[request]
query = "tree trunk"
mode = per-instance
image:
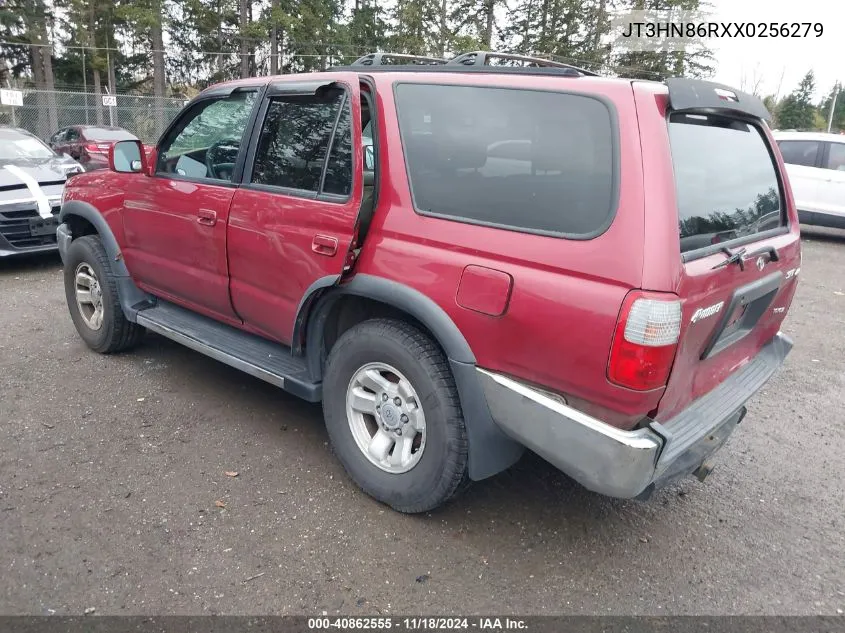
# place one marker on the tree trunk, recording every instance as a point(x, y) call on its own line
point(244, 48)
point(95, 71)
point(49, 82)
point(221, 60)
point(41, 124)
point(544, 18)
point(159, 79)
point(489, 9)
point(274, 39)
point(98, 96)
point(443, 27)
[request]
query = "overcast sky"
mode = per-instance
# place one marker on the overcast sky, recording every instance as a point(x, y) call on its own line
point(790, 57)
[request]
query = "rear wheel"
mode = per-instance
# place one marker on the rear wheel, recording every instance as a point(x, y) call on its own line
point(393, 415)
point(93, 301)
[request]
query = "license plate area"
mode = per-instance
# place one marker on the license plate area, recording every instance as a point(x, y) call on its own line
point(747, 305)
point(43, 226)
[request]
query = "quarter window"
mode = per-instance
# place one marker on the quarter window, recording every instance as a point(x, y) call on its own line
point(293, 149)
point(836, 157)
point(523, 160)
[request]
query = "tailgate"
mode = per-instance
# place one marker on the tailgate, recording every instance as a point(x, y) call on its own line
point(739, 245)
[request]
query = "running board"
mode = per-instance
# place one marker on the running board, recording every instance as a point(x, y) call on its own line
point(252, 354)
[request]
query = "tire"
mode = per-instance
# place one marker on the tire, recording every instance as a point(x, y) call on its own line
point(86, 256)
point(441, 469)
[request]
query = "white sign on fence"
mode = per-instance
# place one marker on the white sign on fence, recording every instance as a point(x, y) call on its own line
point(11, 97)
point(110, 101)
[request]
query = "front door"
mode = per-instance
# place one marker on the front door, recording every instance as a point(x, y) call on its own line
point(293, 218)
point(175, 221)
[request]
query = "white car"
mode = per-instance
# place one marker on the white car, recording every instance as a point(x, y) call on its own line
point(815, 164)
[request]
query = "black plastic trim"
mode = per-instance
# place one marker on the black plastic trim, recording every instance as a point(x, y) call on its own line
point(762, 291)
point(615, 149)
point(815, 218)
point(739, 241)
point(696, 95)
point(490, 450)
point(460, 69)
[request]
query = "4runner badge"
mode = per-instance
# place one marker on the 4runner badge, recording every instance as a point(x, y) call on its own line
point(703, 313)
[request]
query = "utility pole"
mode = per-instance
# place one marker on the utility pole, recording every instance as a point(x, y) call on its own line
point(833, 107)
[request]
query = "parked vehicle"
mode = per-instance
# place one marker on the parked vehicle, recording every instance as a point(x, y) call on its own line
point(31, 180)
point(459, 261)
point(815, 163)
point(89, 144)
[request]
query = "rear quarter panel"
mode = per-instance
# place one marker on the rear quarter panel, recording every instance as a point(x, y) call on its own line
point(565, 295)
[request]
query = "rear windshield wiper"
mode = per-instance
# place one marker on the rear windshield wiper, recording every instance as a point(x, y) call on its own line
point(736, 257)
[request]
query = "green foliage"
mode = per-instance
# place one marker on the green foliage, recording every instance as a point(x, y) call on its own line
point(796, 111)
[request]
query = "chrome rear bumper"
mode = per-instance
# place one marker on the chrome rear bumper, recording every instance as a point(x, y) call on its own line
point(620, 463)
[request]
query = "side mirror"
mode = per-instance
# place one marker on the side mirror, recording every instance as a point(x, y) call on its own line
point(369, 158)
point(127, 157)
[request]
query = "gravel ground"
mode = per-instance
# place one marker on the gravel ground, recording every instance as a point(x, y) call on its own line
point(112, 478)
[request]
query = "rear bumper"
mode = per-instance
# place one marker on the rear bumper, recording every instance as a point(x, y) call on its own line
point(628, 464)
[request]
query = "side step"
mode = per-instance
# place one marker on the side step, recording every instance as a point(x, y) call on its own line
point(250, 353)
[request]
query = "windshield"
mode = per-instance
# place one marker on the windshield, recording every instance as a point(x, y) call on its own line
point(725, 177)
point(101, 134)
point(16, 146)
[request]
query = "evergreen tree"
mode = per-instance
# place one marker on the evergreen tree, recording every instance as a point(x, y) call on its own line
point(796, 111)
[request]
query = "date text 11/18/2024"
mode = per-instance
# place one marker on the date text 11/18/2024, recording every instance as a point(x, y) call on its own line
point(428, 623)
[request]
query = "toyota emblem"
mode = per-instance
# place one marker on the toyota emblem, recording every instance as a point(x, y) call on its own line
point(761, 263)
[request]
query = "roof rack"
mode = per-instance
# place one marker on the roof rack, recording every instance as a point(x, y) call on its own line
point(386, 59)
point(482, 58)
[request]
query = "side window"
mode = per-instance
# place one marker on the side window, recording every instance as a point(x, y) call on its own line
point(293, 147)
point(72, 135)
point(525, 160)
point(799, 152)
point(58, 136)
point(836, 157)
point(206, 140)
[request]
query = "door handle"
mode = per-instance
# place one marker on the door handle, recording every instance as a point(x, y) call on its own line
point(324, 245)
point(207, 217)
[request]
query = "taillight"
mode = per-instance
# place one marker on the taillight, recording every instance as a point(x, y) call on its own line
point(97, 148)
point(645, 341)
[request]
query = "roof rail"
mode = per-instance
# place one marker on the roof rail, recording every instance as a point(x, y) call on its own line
point(482, 58)
point(387, 59)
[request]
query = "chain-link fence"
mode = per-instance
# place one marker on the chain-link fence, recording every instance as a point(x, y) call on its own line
point(45, 112)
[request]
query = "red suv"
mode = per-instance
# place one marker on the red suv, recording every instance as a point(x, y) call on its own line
point(459, 261)
point(89, 144)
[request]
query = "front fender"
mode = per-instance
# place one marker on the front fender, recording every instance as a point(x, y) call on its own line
point(131, 297)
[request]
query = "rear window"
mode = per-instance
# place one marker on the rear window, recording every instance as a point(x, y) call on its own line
point(526, 160)
point(727, 186)
point(101, 134)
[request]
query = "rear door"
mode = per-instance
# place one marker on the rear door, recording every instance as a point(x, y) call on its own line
point(293, 218)
point(832, 195)
point(803, 159)
point(735, 271)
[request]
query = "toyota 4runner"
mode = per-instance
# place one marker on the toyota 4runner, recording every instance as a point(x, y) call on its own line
point(459, 261)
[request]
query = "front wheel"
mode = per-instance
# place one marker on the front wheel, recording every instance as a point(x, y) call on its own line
point(393, 415)
point(92, 298)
